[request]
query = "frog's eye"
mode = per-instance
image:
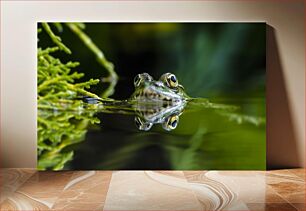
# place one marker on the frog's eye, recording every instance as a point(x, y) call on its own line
point(141, 125)
point(171, 123)
point(170, 80)
point(141, 78)
point(137, 80)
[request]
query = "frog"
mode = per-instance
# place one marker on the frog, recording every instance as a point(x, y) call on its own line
point(158, 102)
point(153, 102)
point(165, 90)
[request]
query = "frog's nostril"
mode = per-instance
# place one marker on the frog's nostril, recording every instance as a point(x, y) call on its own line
point(158, 84)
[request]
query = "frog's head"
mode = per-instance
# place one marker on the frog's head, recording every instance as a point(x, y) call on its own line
point(167, 88)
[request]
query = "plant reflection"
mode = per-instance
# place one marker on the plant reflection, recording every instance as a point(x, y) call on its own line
point(56, 131)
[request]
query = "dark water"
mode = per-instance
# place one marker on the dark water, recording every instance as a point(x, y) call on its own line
point(217, 136)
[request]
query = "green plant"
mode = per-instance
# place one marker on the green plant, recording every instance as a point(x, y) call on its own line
point(62, 118)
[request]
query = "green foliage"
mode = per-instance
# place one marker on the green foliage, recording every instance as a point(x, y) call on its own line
point(112, 78)
point(62, 118)
point(56, 39)
point(56, 84)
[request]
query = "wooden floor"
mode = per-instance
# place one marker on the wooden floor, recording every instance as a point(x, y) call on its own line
point(26, 189)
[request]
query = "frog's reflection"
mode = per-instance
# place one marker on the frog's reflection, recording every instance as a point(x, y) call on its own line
point(167, 115)
point(146, 113)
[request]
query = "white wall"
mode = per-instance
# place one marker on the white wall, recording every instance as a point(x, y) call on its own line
point(18, 61)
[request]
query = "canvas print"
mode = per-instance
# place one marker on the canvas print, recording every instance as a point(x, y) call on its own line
point(151, 96)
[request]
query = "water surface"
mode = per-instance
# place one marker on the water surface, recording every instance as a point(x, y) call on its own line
point(208, 136)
